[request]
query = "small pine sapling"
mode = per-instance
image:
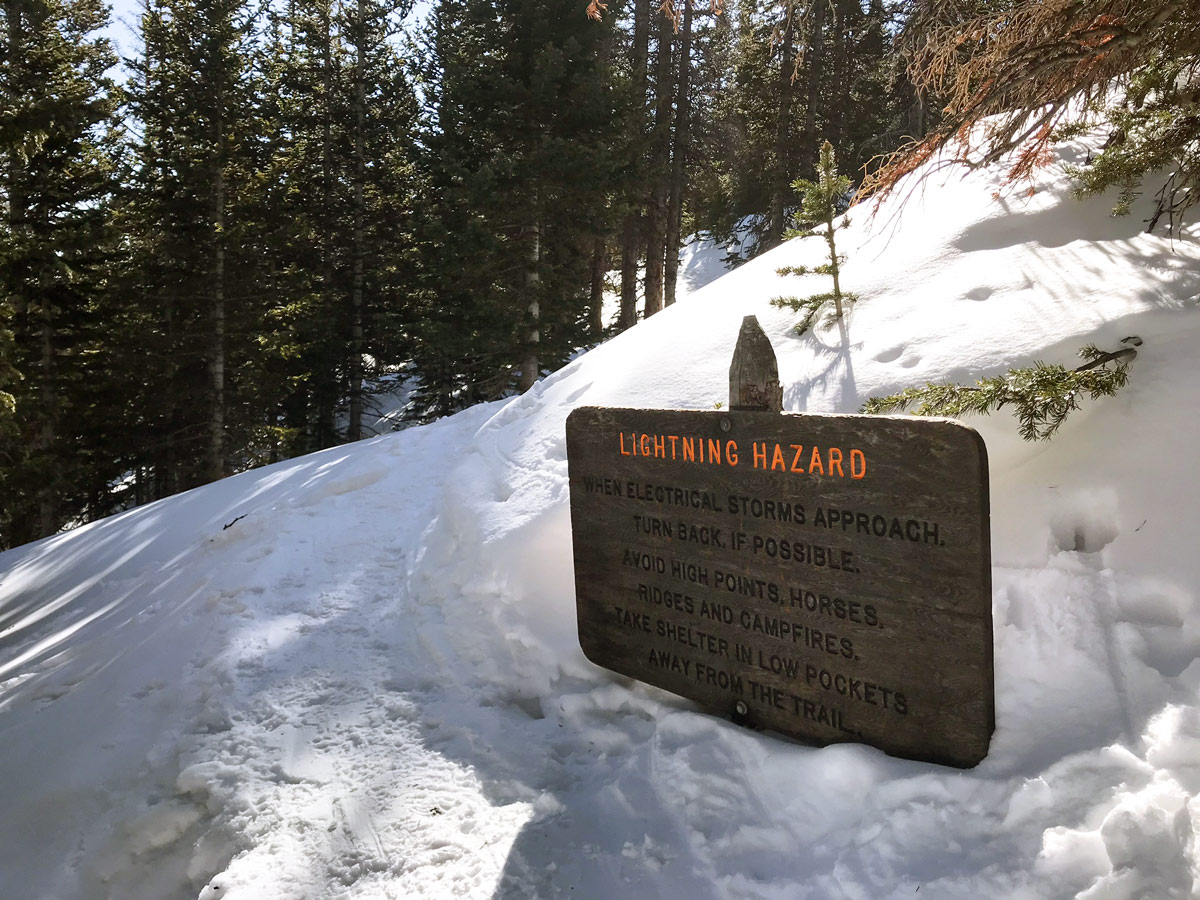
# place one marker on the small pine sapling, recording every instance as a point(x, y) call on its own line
point(1042, 395)
point(819, 206)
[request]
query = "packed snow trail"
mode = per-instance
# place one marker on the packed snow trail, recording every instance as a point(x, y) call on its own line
point(356, 674)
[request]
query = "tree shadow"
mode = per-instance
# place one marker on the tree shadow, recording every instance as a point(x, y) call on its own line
point(832, 361)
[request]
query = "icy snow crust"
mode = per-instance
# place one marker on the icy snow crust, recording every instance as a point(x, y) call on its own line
point(355, 674)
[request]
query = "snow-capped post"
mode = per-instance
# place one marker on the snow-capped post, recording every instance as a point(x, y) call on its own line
point(754, 372)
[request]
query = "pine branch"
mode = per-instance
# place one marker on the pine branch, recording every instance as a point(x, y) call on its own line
point(1042, 395)
point(1022, 69)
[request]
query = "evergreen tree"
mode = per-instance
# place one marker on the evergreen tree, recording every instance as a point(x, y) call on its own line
point(304, 67)
point(802, 73)
point(344, 166)
point(521, 176)
point(821, 202)
point(711, 135)
point(680, 151)
point(57, 108)
point(658, 173)
point(9, 375)
point(747, 116)
point(381, 117)
point(634, 151)
point(874, 100)
point(283, 227)
point(192, 217)
point(1155, 129)
point(781, 174)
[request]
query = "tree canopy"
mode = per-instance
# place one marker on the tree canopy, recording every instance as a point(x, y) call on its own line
point(1013, 75)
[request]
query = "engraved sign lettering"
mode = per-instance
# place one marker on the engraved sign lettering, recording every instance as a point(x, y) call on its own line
point(826, 577)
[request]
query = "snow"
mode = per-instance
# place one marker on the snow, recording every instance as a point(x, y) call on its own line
point(356, 675)
point(704, 259)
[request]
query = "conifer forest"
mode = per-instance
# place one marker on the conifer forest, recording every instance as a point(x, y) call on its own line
point(214, 250)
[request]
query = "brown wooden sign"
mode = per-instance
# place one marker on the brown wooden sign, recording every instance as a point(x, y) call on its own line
point(827, 577)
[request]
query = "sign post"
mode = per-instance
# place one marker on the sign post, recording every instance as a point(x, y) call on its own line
point(826, 577)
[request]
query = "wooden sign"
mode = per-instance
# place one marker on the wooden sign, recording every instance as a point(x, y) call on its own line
point(826, 577)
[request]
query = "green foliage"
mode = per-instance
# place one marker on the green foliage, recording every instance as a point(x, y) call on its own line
point(1155, 129)
point(810, 306)
point(1012, 76)
point(841, 81)
point(520, 170)
point(193, 216)
point(819, 205)
point(339, 213)
point(820, 199)
point(1042, 395)
point(58, 160)
point(298, 194)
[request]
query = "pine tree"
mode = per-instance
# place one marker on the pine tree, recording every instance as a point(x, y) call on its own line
point(781, 170)
point(707, 199)
point(521, 176)
point(870, 106)
point(1155, 129)
point(634, 149)
point(57, 131)
point(748, 116)
point(801, 72)
point(308, 166)
point(9, 376)
point(344, 209)
point(193, 217)
point(680, 150)
point(820, 204)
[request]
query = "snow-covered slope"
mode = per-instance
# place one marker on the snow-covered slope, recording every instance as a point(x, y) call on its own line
point(356, 675)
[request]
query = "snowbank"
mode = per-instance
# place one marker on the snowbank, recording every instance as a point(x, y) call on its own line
point(356, 674)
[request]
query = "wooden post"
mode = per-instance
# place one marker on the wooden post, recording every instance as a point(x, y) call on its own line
point(754, 373)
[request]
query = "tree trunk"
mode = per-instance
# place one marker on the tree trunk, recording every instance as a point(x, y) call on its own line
point(324, 391)
point(19, 215)
point(163, 478)
point(834, 269)
point(530, 368)
point(918, 115)
point(216, 351)
point(631, 232)
point(630, 254)
point(660, 149)
point(355, 367)
point(815, 66)
point(48, 400)
point(678, 156)
point(166, 465)
point(840, 107)
point(781, 182)
point(596, 296)
point(215, 467)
